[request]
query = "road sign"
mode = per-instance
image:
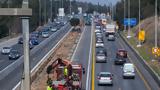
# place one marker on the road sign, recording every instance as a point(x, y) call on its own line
point(141, 35)
point(156, 51)
point(130, 21)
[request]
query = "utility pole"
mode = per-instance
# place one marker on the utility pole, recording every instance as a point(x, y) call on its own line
point(70, 6)
point(129, 26)
point(45, 13)
point(40, 12)
point(51, 10)
point(124, 13)
point(156, 24)
point(25, 28)
point(139, 42)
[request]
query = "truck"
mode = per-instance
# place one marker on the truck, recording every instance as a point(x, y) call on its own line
point(110, 29)
point(87, 19)
point(74, 79)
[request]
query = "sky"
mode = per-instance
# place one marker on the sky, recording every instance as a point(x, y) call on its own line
point(102, 2)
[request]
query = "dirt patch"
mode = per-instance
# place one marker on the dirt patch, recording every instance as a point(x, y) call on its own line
point(63, 51)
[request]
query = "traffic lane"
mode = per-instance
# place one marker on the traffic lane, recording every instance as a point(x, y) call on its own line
point(83, 52)
point(4, 62)
point(14, 77)
point(145, 74)
point(118, 82)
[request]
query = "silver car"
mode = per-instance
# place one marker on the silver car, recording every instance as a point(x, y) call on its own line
point(99, 45)
point(105, 78)
point(45, 34)
point(128, 70)
point(101, 57)
point(6, 50)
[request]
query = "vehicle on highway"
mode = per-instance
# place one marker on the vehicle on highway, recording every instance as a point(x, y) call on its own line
point(35, 34)
point(119, 60)
point(121, 53)
point(14, 54)
point(128, 70)
point(101, 50)
point(111, 38)
point(53, 29)
point(101, 57)
point(34, 41)
point(20, 40)
point(97, 31)
point(31, 46)
point(98, 27)
point(99, 40)
point(45, 34)
point(99, 45)
point(99, 35)
point(6, 50)
point(105, 78)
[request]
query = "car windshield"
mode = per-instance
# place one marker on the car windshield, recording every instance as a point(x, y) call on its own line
point(101, 54)
point(45, 32)
point(128, 67)
point(6, 47)
point(105, 75)
point(14, 51)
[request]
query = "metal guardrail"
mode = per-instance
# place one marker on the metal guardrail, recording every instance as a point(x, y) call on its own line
point(143, 62)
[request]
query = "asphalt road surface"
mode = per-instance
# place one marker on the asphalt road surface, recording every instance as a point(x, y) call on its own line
point(82, 52)
point(36, 54)
point(139, 83)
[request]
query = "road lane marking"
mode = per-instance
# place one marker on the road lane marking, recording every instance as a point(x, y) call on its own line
point(89, 64)
point(93, 62)
point(78, 44)
point(138, 71)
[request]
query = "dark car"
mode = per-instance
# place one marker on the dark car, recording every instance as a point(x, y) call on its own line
point(121, 53)
point(20, 40)
point(119, 60)
point(34, 41)
point(35, 34)
point(13, 55)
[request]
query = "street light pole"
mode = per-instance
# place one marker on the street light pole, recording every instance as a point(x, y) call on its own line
point(129, 27)
point(124, 13)
point(70, 10)
point(39, 12)
point(156, 24)
point(51, 10)
point(25, 28)
point(139, 42)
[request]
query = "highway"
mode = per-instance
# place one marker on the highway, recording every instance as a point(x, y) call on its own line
point(36, 54)
point(139, 83)
point(82, 53)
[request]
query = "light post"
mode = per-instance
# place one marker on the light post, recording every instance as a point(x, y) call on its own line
point(51, 10)
point(124, 13)
point(139, 42)
point(156, 24)
point(40, 12)
point(129, 26)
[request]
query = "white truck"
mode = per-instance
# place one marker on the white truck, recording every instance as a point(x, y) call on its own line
point(110, 29)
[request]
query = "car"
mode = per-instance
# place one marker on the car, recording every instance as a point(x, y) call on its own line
point(45, 34)
point(6, 50)
point(97, 31)
point(119, 61)
point(105, 78)
point(101, 50)
point(35, 34)
point(20, 40)
point(101, 57)
point(14, 54)
point(128, 70)
point(34, 41)
point(121, 53)
point(111, 38)
point(31, 46)
point(99, 45)
point(53, 29)
point(99, 40)
point(99, 35)
point(98, 26)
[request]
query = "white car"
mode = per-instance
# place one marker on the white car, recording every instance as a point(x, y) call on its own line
point(6, 50)
point(97, 31)
point(45, 34)
point(105, 78)
point(101, 57)
point(111, 37)
point(99, 45)
point(128, 70)
point(53, 29)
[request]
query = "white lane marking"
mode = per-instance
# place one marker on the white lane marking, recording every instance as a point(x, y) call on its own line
point(43, 58)
point(88, 87)
point(78, 44)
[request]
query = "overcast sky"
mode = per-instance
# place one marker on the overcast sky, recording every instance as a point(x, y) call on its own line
point(102, 2)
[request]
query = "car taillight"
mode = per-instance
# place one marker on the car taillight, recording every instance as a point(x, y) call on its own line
point(110, 78)
point(98, 78)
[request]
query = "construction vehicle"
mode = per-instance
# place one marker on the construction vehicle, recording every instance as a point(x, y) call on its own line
point(71, 82)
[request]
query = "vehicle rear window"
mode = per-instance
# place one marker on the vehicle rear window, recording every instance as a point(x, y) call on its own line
point(105, 75)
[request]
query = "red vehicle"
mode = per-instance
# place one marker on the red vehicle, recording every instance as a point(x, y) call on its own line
point(121, 53)
point(73, 81)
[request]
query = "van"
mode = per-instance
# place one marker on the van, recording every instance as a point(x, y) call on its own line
point(128, 70)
